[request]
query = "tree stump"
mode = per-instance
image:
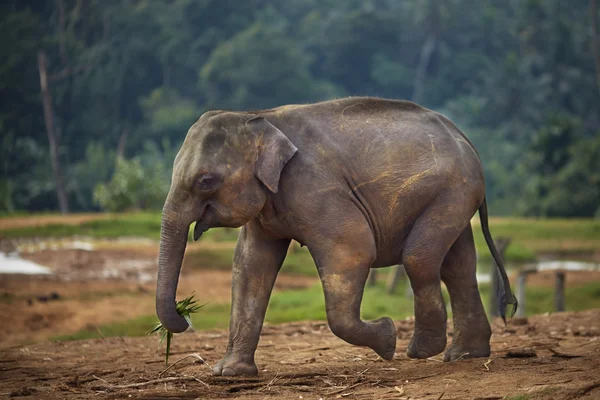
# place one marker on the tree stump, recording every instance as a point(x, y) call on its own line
point(559, 291)
point(521, 282)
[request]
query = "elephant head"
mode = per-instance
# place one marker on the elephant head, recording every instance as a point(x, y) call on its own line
point(222, 176)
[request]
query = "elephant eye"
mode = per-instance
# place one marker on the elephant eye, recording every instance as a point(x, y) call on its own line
point(207, 182)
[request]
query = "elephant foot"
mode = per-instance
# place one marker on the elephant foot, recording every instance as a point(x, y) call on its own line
point(232, 365)
point(471, 343)
point(385, 344)
point(457, 352)
point(426, 344)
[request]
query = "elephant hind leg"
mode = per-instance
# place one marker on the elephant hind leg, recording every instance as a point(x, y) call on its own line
point(472, 331)
point(343, 270)
point(433, 233)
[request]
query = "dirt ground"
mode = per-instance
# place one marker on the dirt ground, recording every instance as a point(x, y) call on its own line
point(545, 357)
point(98, 287)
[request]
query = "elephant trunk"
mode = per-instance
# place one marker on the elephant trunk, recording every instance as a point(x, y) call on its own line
point(173, 240)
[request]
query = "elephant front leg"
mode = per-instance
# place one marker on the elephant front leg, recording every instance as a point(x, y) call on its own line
point(257, 261)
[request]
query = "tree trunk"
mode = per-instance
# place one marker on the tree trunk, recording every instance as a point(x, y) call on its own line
point(595, 40)
point(61, 193)
point(121, 146)
point(421, 74)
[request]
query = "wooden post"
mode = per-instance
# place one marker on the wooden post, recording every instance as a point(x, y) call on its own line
point(559, 291)
point(501, 244)
point(409, 294)
point(396, 273)
point(372, 279)
point(521, 282)
point(53, 139)
point(392, 280)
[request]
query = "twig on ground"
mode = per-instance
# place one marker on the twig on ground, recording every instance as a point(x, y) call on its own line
point(196, 355)
point(434, 359)
point(100, 379)
point(151, 382)
point(271, 382)
point(343, 389)
point(460, 358)
point(485, 364)
point(422, 377)
point(562, 355)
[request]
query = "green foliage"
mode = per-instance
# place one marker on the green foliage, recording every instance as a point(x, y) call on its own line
point(186, 308)
point(133, 187)
point(566, 181)
point(517, 77)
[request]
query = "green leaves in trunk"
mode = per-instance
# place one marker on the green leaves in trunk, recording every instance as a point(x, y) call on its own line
point(185, 308)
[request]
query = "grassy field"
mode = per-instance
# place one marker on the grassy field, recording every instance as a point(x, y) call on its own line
point(308, 304)
point(533, 236)
point(529, 236)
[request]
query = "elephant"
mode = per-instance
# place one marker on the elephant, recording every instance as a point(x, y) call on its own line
point(363, 183)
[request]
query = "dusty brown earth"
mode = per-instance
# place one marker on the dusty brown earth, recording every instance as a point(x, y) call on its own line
point(98, 287)
point(545, 357)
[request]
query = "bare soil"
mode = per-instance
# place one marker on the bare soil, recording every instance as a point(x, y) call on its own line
point(99, 287)
point(545, 357)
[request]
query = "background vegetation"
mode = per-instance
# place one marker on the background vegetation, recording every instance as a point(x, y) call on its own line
point(99, 94)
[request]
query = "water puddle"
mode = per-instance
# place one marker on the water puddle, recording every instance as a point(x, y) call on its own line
point(13, 264)
point(546, 265)
point(562, 265)
point(78, 259)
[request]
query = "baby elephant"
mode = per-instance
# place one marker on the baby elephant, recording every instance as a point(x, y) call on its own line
point(363, 183)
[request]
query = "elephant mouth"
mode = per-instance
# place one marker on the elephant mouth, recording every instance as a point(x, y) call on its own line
point(201, 226)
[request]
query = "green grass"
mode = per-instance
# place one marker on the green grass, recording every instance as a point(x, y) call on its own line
point(308, 304)
point(202, 259)
point(145, 225)
point(532, 236)
point(529, 236)
point(138, 224)
point(299, 262)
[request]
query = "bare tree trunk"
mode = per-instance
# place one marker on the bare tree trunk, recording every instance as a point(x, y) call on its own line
point(432, 22)
point(61, 32)
point(121, 146)
point(595, 40)
point(421, 74)
point(63, 202)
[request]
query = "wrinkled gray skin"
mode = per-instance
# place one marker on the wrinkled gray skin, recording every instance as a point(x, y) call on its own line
point(363, 183)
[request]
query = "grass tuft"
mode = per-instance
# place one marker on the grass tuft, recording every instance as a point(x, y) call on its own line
point(185, 308)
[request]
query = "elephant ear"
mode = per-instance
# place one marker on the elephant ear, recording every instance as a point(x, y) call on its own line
point(274, 151)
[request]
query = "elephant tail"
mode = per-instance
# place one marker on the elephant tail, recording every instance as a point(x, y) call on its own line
point(504, 295)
